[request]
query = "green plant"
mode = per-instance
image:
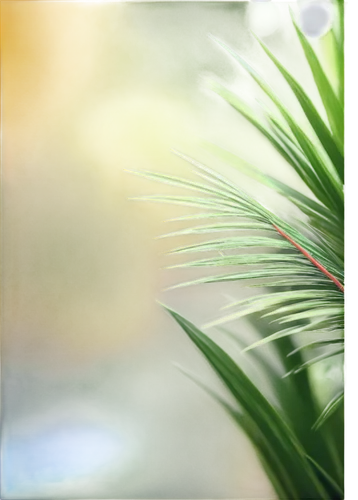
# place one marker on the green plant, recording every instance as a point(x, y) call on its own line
point(298, 267)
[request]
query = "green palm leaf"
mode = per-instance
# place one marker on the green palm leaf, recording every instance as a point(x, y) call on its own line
point(295, 267)
point(281, 450)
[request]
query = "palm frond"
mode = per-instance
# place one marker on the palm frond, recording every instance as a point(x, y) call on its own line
point(301, 256)
point(334, 404)
point(309, 267)
point(295, 266)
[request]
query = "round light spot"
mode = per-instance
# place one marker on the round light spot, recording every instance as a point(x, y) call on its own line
point(315, 19)
point(265, 18)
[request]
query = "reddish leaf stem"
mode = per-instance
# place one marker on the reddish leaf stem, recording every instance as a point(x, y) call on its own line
point(310, 258)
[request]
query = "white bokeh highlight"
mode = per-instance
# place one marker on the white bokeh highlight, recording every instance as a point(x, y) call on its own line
point(265, 18)
point(315, 18)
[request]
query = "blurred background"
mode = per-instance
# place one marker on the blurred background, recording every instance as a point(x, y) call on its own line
point(93, 406)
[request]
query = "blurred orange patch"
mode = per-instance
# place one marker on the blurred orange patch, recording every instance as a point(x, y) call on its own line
point(46, 50)
point(73, 278)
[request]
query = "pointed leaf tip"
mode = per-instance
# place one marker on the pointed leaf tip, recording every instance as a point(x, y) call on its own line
point(167, 308)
